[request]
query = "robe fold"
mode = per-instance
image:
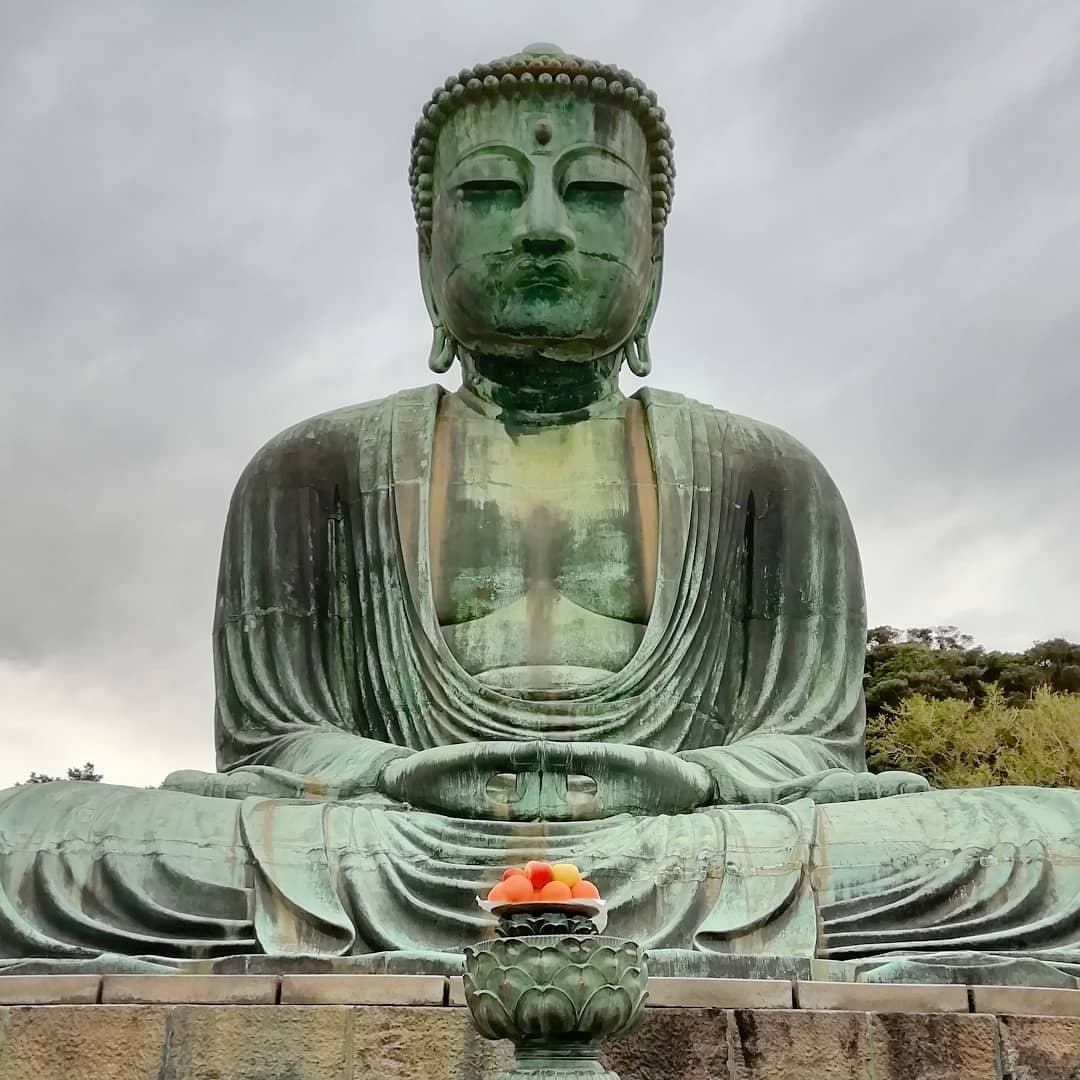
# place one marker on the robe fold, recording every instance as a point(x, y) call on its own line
point(751, 662)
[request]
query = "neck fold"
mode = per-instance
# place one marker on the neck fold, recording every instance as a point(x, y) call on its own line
point(539, 391)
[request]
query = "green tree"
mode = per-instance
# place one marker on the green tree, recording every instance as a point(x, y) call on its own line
point(940, 663)
point(937, 662)
point(1059, 662)
point(78, 772)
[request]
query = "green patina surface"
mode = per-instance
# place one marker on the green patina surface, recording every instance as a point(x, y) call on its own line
point(534, 618)
point(557, 998)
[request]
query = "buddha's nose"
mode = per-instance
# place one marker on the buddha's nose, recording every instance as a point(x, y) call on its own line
point(543, 228)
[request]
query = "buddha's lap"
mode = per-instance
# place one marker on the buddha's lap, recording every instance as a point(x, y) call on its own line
point(76, 820)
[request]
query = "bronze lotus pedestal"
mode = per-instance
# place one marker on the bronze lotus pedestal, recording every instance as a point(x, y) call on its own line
point(555, 995)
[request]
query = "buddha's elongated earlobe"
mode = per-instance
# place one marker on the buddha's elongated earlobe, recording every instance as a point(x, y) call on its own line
point(636, 353)
point(443, 346)
point(443, 350)
point(636, 350)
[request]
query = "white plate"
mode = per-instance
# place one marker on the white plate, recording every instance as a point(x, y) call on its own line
point(593, 908)
point(570, 907)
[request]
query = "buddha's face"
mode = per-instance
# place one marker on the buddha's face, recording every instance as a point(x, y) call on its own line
point(542, 227)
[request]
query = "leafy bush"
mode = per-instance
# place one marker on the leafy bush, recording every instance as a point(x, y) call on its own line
point(961, 743)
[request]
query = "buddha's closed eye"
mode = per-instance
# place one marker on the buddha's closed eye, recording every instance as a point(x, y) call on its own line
point(494, 192)
point(594, 193)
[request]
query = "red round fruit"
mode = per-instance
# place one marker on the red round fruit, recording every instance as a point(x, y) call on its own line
point(510, 871)
point(539, 873)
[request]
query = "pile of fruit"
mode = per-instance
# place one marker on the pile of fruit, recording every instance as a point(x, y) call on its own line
point(542, 881)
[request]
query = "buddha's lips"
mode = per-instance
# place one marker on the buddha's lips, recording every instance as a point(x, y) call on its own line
point(548, 272)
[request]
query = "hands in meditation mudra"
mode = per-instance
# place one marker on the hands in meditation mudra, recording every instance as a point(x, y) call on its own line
point(535, 619)
point(547, 781)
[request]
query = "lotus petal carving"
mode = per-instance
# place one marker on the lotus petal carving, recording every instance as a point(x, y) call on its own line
point(510, 983)
point(608, 962)
point(608, 1010)
point(545, 1010)
point(579, 981)
point(511, 952)
point(544, 964)
point(490, 1015)
point(481, 964)
point(578, 951)
point(547, 987)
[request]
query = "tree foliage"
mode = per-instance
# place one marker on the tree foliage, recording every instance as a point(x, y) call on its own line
point(957, 742)
point(940, 663)
point(964, 716)
point(78, 772)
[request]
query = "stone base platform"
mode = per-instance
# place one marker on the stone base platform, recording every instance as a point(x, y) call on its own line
point(348, 1027)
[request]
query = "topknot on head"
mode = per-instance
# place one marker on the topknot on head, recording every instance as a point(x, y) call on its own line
point(541, 68)
point(542, 48)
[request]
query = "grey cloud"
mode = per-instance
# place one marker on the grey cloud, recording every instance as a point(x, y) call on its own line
point(207, 235)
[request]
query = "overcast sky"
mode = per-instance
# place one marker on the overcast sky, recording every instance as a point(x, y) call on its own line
point(205, 235)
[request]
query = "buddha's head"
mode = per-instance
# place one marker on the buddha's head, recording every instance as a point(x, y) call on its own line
point(541, 185)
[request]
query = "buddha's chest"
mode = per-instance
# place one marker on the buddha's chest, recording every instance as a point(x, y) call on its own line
point(503, 542)
point(543, 546)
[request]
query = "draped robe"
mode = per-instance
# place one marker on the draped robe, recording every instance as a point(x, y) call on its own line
point(326, 631)
point(330, 662)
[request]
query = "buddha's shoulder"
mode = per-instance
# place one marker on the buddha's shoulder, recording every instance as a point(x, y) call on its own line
point(351, 420)
point(341, 430)
point(325, 449)
point(732, 433)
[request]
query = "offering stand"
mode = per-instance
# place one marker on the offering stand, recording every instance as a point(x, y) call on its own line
point(554, 985)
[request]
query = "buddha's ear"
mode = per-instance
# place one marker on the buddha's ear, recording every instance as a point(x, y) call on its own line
point(653, 301)
point(443, 347)
point(636, 350)
point(427, 288)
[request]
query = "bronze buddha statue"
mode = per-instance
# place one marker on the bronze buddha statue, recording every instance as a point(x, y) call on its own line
point(534, 618)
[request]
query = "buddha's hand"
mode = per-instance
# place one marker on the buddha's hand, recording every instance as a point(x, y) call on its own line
point(588, 780)
point(546, 781)
point(466, 780)
point(842, 785)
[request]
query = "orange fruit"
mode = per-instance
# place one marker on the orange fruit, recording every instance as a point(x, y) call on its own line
point(498, 894)
point(536, 894)
point(511, 871)
point(556, 890)
point(567, 873)
point(539, 873)
point(585, 890)
point(517, 889)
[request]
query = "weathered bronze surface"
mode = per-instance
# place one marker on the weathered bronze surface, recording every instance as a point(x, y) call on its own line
point(535, 619)
point(557, 998)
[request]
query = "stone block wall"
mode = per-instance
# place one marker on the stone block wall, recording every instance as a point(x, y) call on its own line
point(405, 1028)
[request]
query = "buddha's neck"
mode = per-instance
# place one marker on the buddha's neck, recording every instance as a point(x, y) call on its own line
point(540, 391)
